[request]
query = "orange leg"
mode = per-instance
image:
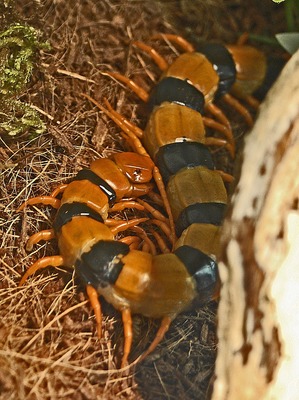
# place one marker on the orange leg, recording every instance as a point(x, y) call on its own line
point(134, 128)
point(164, 227)
point(114, 116)
point(155, 213)
point(47, 200)
point(165, 323)
point(211, 123)
point(184, 44)
point(96, 306)
point(141, 93)
point(128, 334)
point(225, 176)
point(150, 247)
point(51, 261)
point(161, 187)
point(156, 198)
point(132, 241)
point(126, 204)
point(156, 57)
point(161, 242)
point(214, 110)
point(47, 234)
point(120, 226)
point(233, 102)
point(146, 248)
point(60, 189)
point(254, 103)
point(211, 141)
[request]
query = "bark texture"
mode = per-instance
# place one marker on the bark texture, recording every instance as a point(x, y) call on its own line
point(258, 318)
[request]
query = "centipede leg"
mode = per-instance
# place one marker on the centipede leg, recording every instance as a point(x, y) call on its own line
point(148, 246)
point(121, 226)
point(59, 189)
point(225, 176)
point(214, 110)
point(141, 93)
point(134, 128)
point(211, 123)
point(96, 306)
point(211, 141)
point(51, 261)
point(155, 213)
point(128, 334)
point(162, 190)
point(156, 57)
point(132, 241)
point(46, 235)
point(46, 200)
point(126, 204)
point(161, 242)
point(179, 40)
point(238, 107)
point(164, 326)
point(254, 103)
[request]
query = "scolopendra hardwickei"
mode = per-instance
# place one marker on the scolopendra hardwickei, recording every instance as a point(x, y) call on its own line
point(134, 281)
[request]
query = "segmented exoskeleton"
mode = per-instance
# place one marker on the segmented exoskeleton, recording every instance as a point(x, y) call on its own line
point(136, 281)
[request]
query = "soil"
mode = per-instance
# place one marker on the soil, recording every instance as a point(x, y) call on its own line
point(48, 344)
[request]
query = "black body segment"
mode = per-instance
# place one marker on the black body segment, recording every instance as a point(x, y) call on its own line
point(223, 63)
point(174, 90)
point(206, 213)
point(203, 269)
point(87, 174)
point(171, 158)
point(102, 264)
point(69, 210)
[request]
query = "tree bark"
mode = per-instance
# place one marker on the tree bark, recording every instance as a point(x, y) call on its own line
point(258, 355)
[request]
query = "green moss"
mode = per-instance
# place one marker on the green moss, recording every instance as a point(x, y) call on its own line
point(18, 47)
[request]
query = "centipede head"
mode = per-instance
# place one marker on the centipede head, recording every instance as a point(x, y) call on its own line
point(138, 168)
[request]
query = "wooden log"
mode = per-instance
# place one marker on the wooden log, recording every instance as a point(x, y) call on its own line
point(258, 355)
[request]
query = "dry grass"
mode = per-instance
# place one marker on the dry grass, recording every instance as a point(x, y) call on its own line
point(48, 347)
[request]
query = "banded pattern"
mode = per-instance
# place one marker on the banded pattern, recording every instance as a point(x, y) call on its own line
point(138, 281)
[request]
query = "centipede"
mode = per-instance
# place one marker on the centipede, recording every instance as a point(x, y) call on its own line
point(174, 149)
